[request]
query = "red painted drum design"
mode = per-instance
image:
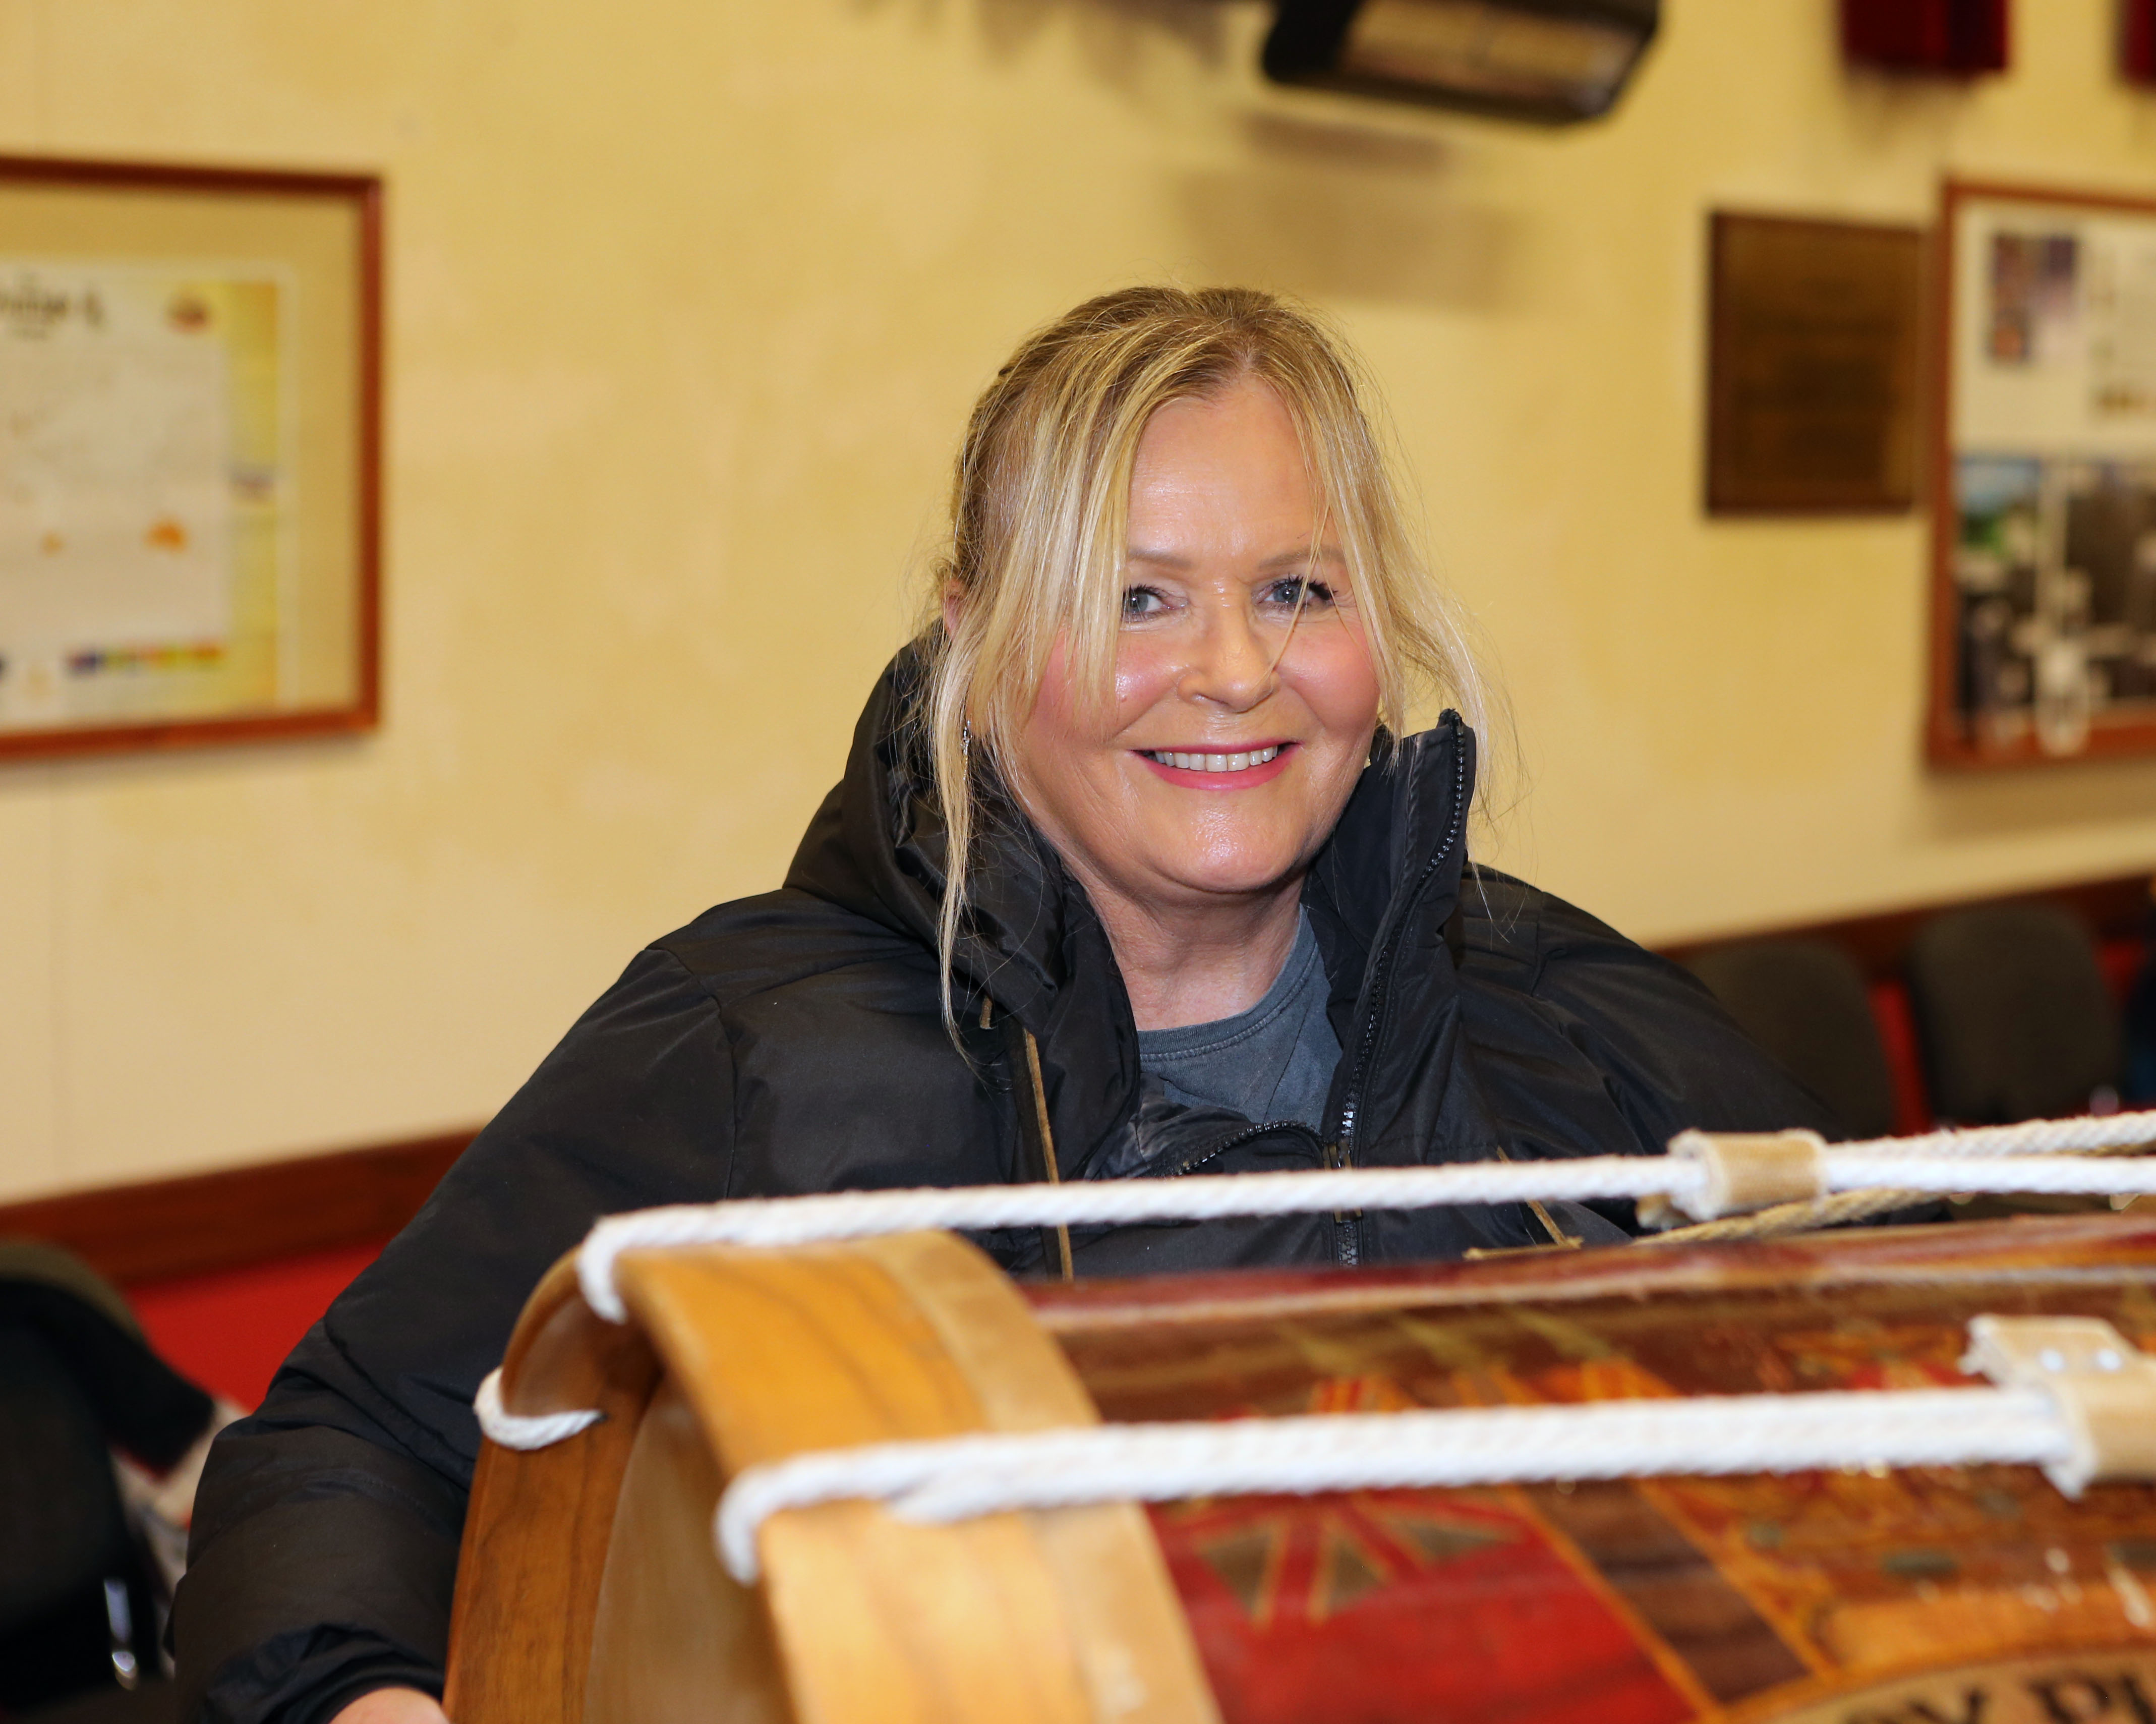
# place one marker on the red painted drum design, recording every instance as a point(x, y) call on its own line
point(1945, 1595)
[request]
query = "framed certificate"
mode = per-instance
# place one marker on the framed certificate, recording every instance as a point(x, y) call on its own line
point(2044, 547)
point(190, 429)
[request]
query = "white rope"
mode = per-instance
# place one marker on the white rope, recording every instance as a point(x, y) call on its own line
point(2081, 1132)
point(1989, 1158)
point(1110, 1202)
point(1937, 1161)
point(518, 1430)
point(1779, 1220)
point(2071, 1175)
point(956, 1478)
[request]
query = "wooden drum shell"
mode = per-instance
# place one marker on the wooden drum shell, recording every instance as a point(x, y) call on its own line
point(589, 1590)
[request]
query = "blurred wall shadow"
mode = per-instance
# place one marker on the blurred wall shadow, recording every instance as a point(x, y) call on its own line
point(1331, 210)
point(1320, 207)
point(1110, 32)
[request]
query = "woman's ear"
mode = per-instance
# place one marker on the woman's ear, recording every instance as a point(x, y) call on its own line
point(954, 600)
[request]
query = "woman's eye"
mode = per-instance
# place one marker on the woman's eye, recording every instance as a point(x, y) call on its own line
point(1143, 602)
point(1311, 595)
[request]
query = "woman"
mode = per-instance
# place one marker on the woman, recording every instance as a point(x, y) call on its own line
point(1128, 876)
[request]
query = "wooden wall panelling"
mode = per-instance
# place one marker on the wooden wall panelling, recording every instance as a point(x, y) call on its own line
point(205, 1222)
point(2115, 909)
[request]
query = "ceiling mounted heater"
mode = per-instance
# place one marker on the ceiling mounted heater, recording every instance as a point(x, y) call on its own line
point(1550, 60)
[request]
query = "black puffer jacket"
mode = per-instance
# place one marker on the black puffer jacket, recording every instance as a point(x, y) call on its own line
point(793, 1043)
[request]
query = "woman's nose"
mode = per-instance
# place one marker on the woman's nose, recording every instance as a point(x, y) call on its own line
point(1229, 665)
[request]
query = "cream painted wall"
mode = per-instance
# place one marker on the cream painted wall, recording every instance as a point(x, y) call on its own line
point(688, 298)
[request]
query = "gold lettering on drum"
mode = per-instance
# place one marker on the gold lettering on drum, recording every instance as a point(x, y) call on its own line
point(2069, 1700)
point(1975, 1704)
point(2083, 1688)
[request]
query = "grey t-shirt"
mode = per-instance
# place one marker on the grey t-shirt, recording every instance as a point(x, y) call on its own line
point(1273, 1062)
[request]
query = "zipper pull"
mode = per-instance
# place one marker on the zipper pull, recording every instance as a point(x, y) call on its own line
point(1337, 1160)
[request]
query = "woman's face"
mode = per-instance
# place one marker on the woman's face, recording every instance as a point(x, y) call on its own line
point(1240, 722)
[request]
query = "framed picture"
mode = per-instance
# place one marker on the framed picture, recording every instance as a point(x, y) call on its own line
point(1813, 353)
point(190, 427)
point(2044, 571)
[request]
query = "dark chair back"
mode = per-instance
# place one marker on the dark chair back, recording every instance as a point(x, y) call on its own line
point(1805, 1002)
point(63, 1533)
point(61, 1526)
point(2013, 1019)
point(77, 1377)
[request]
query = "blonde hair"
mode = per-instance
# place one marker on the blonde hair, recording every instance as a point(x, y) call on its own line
point(1038, 508)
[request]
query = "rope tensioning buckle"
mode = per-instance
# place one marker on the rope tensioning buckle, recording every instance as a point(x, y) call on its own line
point(2103, 1386)
point(1745, 1170)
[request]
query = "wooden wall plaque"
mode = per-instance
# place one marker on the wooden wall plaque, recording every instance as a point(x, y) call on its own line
point(1812, 359)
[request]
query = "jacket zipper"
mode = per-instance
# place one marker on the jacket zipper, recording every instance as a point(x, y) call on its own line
point(1347, 1245)
point(1347, 1223)
point(1236, 1140)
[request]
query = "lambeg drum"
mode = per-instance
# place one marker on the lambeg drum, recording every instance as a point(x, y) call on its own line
point(591, 1588)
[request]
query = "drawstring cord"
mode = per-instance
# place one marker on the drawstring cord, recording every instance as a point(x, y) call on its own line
point(1050, 1170)
point(1048, 1147)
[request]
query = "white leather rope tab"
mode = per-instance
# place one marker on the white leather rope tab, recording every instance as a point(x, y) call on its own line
point(2073, 1397)
point(956, 1478)
point(2103, 1386)
point(1745, 1170)
point(519, 1431)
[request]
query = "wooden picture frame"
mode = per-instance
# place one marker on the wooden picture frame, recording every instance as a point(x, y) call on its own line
point(1813, 353)
point(190, 456)
point(2043, 477)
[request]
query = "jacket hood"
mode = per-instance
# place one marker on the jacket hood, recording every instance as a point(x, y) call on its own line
point(879, 847)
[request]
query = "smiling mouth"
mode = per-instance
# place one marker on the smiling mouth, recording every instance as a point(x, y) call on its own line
point(1211, 762)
